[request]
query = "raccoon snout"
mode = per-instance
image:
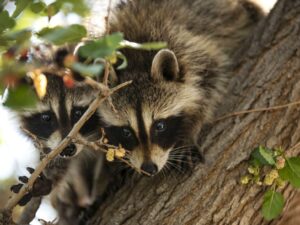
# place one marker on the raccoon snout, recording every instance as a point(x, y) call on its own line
point(150, 168)
point(69, 151)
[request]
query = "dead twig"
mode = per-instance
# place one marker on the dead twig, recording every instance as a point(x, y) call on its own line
point(257, 110)
point(38, 144)
point(107, 29)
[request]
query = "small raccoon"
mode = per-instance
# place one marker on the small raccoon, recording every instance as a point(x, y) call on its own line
point(50, 121)
point(86, 179)
point(175, 90)
point(54, 117)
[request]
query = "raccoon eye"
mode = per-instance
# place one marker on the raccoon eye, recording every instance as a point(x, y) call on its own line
point(161, 126)
point(45, 117)
point(126, 133)
point(78, 113)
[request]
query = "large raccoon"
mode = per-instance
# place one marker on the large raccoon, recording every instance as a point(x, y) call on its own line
point(175, 90)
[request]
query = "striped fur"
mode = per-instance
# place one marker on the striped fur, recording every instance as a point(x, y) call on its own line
point(177, 88)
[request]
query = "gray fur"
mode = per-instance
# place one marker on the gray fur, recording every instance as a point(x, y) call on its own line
point(203, 35)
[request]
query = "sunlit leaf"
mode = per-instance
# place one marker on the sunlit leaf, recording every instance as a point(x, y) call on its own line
point(77, 6)
point(101, 48)
point(6, 21)
point(291, 171)
point(19, 36)
point(52, 9)
point(37, 7)
point(143, 46)
point(61, 35)
point(88, 70)
point(20, 97)
point(20, 6)
point(39, 82)
point(272, 205)
point(124, 63)
point(263, 156)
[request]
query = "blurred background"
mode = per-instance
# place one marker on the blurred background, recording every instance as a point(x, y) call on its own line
point(16, 151)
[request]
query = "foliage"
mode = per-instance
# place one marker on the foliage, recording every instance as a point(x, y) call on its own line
point(281, 169)
point(16, 42)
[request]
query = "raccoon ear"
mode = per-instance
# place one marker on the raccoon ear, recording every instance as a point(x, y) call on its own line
point(165, 65)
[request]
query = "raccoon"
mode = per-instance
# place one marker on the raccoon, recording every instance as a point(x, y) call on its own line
point(50, 121)
point(86, 180)
point(176, 90)
point(54, 117)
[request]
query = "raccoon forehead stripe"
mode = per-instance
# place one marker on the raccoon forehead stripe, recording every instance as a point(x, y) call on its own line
point(68, 105)
point(142, 133)
point(55, 106)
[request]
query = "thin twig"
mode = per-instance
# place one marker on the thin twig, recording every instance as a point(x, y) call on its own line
point(95, 146)
point(103, 95)
point(38, 144)
point(257, 110)
point(106, 73)
point(107, 28)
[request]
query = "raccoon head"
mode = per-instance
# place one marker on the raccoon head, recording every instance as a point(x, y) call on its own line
point(54, 116)
point(159, 114)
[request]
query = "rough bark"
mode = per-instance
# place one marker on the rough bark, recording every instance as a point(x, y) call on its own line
point(268, 75)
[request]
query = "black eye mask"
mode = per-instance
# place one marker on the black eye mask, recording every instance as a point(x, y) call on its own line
point(165, 132)
point(121, 135)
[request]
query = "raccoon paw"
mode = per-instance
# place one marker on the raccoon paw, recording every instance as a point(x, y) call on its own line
point(41, 186)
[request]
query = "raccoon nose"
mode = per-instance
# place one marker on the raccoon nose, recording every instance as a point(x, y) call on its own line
point(69, 151)
point(150, 168)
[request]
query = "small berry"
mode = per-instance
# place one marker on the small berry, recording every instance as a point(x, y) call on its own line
point(245, 179)
point(270, 177)
point(280, 183)
point(120, 152)
point(68, 81)
point(110, 154)
point(253, 170)
point(280, 162)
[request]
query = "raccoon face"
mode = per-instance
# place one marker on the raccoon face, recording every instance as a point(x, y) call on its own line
point(55, 115)
point(155, 114)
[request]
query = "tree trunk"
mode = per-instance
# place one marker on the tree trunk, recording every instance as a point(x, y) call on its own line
point(268, 75)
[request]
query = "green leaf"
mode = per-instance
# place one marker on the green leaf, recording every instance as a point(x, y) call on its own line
point(20, 97)
point(6, 21)
point(52, 9)
point(263, 156)
point(272, 205)
point(291, 171)
point(19, 36)
point(88, 70)
point(37, 7)
point(20, 6)
point(77, 6)
point(61, 35)
point(144, 46)
point(101, 48)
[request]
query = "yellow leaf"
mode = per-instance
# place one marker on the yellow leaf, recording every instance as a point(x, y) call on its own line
point(39, 82)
